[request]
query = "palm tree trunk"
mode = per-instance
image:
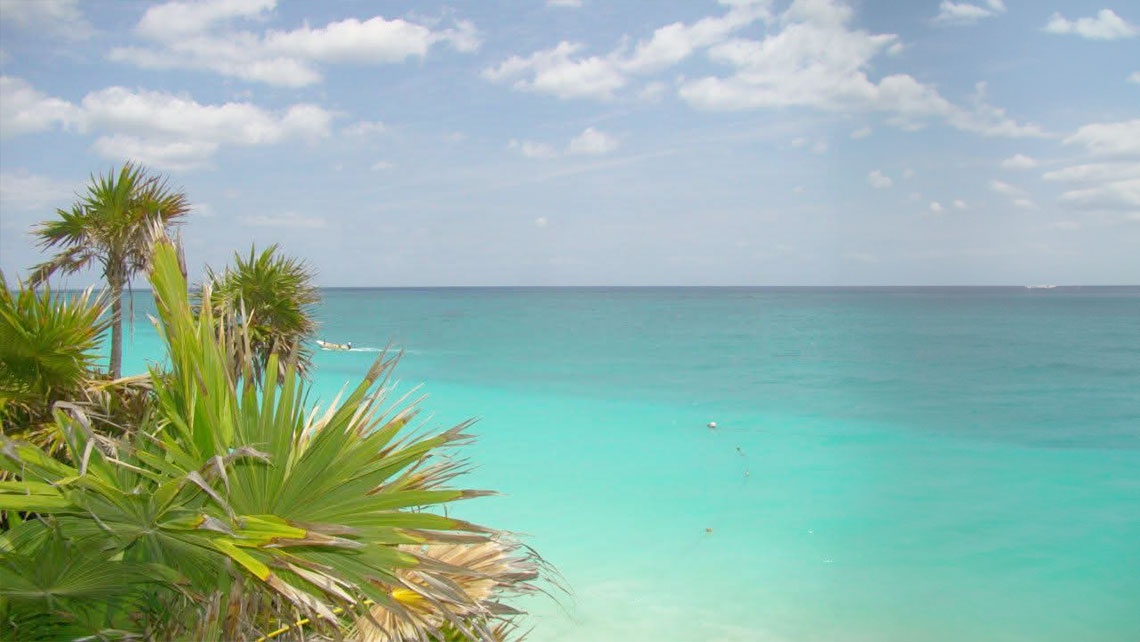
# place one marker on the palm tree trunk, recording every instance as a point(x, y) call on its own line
point(116, 330)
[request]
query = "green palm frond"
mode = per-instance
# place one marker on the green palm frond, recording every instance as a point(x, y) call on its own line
point(249, 496)
point(55, 588)
point(111, 228)
point(48, 346)
point(267, 300)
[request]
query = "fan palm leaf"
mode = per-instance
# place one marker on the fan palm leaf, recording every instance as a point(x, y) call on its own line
point(246, 493)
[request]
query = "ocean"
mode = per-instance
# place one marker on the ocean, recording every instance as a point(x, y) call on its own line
point(888, 464)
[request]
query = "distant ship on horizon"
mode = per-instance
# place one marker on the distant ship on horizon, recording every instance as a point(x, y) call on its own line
point(1040, 287)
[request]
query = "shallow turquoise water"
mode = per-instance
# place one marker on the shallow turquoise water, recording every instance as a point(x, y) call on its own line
point(890, 464)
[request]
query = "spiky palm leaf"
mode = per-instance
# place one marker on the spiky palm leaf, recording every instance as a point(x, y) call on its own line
point(267, 301)
point(48, 346)
point(111, 227)
point(240, 491)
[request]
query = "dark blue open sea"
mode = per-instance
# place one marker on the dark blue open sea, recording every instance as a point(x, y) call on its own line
point(890, 464)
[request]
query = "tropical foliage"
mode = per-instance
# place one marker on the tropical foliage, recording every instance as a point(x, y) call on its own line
point(111, 227)
point(48, 348)
point(267, 299)
point(234, 511)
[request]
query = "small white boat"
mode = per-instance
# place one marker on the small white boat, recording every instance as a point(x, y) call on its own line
point(1040, 287)
point(327, 345)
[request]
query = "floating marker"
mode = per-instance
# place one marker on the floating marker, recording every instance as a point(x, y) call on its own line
point(712, 425)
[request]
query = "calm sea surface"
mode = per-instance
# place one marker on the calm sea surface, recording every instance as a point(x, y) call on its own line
point(890, 464)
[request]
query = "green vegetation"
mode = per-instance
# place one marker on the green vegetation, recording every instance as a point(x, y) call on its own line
point(206, 499)
point(47, 346)
point(270, 296)
point(112, 227)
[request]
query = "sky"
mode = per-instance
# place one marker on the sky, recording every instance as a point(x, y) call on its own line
point(582, 142)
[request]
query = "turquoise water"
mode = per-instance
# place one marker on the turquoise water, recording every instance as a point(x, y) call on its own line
point(889, 464)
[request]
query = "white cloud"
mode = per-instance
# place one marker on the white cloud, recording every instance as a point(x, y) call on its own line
point(532, 149)
point(563, 72)
point(197, 36)
point(908, 173)
point(541, 222)
point(878, 180)
point(960, 204)
point(173, 19)
point(1094, 173)
point(24, 109)
point(159, 114)
point(964, 13)
point(809, 57)
point(1019, 161)
point(1117, 195)
point(862, 132)
point(168, 154)
point(1017, 196)
point(1106, 25)
point(288, 219)
point(166, 130)
point(380, 166)
point(573, 4)
point(816, 60)
point(818, 147)
point(555, 72)
point(935, 206)
point(61, 18)
point(23, 191)
point(1134, 77)
point(363, 128)
point(1100, 186)
point(1109, 139)
point(592, 141)
point(1112, 186)
point(1005, 189)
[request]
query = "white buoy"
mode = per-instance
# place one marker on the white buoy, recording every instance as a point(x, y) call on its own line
point(712, 425)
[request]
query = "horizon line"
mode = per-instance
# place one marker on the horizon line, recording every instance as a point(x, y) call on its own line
point(146, 287)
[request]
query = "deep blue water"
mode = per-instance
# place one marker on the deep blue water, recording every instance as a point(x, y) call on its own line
point(889, 463)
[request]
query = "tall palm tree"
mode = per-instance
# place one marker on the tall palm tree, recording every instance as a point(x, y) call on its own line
point(268, 299)
point(112, 225)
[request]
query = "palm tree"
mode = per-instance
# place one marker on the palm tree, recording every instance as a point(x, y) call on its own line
point(239, 508)
point(48, 345)
point(111, 226)
point(268, 298)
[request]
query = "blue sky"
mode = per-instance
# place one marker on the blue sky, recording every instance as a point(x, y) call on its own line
point(812, 142)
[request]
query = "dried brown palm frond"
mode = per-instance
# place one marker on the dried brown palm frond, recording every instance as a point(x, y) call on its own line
point(476, 575)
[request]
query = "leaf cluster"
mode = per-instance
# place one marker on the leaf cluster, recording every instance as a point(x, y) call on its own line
point(236, 507)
